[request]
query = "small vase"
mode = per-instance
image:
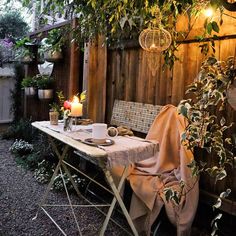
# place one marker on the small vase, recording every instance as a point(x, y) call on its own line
point(53, 116)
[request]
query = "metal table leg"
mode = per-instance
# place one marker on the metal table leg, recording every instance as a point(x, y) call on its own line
point(117, 198)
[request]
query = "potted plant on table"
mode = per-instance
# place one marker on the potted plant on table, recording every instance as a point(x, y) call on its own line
point(54, 113)
point(29, 85)
point(45, 86)
point(51, 46)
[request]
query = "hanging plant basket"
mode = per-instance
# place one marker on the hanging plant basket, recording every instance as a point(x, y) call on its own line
point(30, 91)
point(45, 94)
point(53, 56)
point(26, 60)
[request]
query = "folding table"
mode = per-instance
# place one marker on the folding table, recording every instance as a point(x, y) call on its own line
point(124, 151)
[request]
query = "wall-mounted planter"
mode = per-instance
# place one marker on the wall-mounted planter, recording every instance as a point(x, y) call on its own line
point(30, 91)
point(53, 56)
point(45, 93)
point(26, 60)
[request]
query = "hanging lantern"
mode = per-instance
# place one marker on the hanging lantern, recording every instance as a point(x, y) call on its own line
point(155, 40)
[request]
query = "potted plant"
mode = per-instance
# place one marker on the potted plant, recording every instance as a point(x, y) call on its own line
point(29, 85)
point(54, 113)
point(45, 86)
point(51, 46)
point(24, 50)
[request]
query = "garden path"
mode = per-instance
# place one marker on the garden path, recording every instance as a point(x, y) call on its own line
point(19, 195)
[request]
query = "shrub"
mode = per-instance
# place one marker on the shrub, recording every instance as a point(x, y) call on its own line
point(21, 147)
point(28, 82)
point(44, 171)
point(21, 130)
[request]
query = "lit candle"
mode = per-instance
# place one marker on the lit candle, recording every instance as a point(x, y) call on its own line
point(76, 107)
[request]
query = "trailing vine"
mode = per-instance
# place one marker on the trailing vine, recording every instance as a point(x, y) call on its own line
point(207, 128)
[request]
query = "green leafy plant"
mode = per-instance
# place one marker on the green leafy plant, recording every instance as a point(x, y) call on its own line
point(44, 81)
point(54, 41)
point(21, 129)
point(44, 171)
point(124, 20)
point(21, 147)
point(28, 82)
point(23, 50)
point(208, 128)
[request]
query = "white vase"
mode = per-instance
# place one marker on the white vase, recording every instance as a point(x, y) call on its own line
point(45, 93)
point(30, 91)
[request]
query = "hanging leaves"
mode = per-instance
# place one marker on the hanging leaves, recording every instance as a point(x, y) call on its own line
point(206, 130)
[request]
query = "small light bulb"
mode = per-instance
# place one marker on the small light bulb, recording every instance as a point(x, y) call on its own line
point(153, 46)
point(209, 12)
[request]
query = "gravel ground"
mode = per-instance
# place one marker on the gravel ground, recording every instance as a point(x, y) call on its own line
point(20, 194)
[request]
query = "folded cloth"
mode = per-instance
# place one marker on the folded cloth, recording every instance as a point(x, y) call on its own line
point(167, 169)
point(84, 121)
point(123, 130)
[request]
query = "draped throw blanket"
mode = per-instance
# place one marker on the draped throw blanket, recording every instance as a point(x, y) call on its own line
point(167, 169)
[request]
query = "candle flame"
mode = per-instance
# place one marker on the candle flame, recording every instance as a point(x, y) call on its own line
point(75, 99)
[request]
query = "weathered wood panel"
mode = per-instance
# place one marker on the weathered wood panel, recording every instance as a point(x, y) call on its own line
point(95, 65)
point(194, 26)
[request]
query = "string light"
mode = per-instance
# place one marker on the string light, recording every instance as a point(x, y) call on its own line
point(209, 12)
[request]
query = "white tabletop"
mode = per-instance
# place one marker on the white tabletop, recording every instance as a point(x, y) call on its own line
point(124, 151)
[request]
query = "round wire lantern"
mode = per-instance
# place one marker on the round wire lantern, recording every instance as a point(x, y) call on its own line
point(155, 40)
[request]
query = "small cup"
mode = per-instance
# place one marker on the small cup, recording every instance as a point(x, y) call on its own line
point(100, 132)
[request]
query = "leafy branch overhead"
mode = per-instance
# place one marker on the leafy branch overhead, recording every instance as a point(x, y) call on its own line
point(120, 20)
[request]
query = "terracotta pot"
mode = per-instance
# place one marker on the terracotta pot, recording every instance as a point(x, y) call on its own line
point(53, 56)
point(45, 93)
point(53, 116)
point(30, 91)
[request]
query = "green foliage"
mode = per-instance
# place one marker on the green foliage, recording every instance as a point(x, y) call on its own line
point(205, 113)
point(124, 20)
point(22, 129)
point(44, 81)
point(28, 82)
point(12, 24)
point(24, 49)
point(44, 171)
point(21, 147)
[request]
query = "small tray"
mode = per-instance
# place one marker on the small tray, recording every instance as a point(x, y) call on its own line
point(89, 141)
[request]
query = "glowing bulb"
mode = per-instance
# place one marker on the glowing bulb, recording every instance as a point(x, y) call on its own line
point(209, 12)
point(153, 46)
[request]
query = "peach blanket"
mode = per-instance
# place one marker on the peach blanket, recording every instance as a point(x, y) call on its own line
point(168, 168)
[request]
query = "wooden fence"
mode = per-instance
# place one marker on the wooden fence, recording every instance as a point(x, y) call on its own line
point(132, 74)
